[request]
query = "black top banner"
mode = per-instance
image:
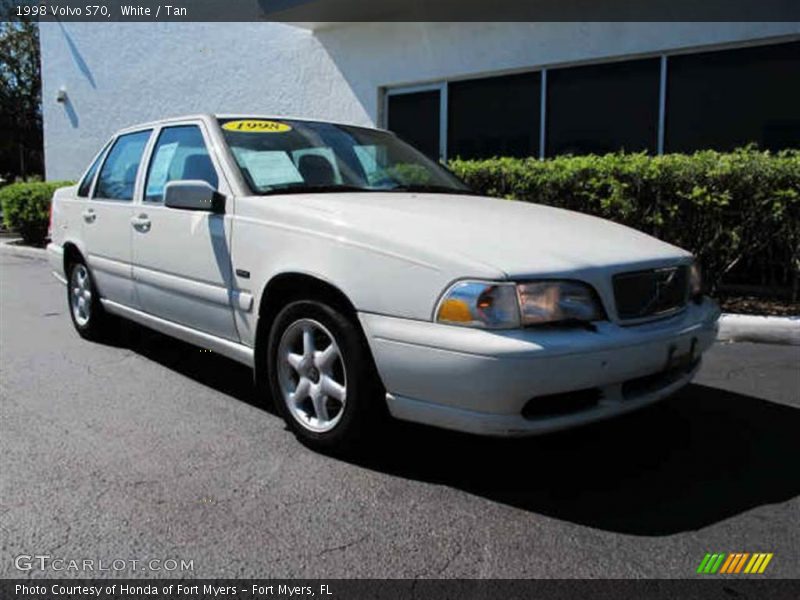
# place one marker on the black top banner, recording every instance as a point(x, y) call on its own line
point(396, 589)
point(320, 11)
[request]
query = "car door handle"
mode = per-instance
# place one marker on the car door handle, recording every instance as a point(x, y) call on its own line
point(141, 223)
point(89, 215)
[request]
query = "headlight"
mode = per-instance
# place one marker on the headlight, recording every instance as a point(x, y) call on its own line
point(695, 282)
point(480, 304)
point(490, 305)
point(552, 301)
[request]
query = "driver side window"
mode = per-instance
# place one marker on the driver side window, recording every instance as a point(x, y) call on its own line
point(179, 154)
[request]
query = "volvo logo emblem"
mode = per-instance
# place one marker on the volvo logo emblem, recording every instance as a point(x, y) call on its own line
point(662, 280)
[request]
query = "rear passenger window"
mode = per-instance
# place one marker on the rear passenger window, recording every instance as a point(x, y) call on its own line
point(180, 153)
point(86, 183)
point(118, 175)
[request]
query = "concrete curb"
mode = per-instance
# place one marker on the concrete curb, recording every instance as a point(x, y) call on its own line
point(8, 245)
point(732, 327)
point(763, 330)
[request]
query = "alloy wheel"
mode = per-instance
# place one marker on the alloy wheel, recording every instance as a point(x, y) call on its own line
point(312, 376)
point(81, 295)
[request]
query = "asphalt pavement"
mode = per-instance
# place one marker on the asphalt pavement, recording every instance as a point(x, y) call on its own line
point(151, 449)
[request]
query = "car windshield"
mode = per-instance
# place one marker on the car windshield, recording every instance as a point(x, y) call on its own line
point(287, 156)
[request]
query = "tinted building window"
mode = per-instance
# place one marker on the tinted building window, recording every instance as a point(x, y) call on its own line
point(415, 118)
point(730, 98)
point(118, 176)
point(603, 108)
point(496, 116)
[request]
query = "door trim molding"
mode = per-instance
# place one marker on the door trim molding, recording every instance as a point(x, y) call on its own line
point(197, 290)
point(110, 266)
point(181, 285)
point(233, 350)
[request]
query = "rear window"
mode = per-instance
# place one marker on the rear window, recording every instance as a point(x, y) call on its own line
point(86, 183)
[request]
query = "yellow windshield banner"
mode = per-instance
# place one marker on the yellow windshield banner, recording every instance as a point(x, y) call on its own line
point(257, 126)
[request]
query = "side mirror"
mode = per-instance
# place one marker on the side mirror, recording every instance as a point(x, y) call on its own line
point(193, 194)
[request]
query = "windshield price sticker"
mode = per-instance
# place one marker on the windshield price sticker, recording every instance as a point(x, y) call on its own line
point(257, 126)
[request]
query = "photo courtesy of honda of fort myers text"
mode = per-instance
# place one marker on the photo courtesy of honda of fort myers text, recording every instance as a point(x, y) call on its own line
point(330, 299)
point(178, 590)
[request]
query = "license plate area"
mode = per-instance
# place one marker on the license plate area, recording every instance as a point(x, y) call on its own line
point(679, 362)
point(681, 359)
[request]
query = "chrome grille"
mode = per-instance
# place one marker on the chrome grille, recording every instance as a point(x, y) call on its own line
point(651, 293)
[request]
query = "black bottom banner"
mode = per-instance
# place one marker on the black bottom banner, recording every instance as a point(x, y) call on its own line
point(399, 589)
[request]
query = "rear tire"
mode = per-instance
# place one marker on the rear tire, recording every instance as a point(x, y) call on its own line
point(87, 313)
point(322, 377)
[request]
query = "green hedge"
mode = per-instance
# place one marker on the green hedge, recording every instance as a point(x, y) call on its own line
point(26, 208)
point(739, 212)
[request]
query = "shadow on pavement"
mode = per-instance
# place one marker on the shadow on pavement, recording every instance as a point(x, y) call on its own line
point(208, 368)
point(700, 457)
point(705, 455)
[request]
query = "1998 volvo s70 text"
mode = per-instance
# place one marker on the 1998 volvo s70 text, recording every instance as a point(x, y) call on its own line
point(356, 275)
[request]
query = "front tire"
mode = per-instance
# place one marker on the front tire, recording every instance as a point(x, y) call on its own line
point(322, 377)
point(85, 309)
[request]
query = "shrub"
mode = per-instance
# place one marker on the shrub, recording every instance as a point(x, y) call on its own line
point(739, 212)
point(26, 208)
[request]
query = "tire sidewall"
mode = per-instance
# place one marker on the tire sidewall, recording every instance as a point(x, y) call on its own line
point(353, 425)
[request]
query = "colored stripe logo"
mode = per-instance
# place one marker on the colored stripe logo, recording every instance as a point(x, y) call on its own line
point(737, 562)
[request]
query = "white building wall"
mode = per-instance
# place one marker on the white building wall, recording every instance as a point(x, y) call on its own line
point(120, 74)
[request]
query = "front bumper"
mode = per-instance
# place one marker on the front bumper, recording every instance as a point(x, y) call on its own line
point(482, 381)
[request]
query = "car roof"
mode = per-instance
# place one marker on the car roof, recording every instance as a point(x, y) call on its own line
point(213, 117)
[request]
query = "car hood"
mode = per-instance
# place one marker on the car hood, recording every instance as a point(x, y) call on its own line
point(481, 234)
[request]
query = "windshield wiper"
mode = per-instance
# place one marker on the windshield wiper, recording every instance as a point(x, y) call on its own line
point(314, 189)
point(430, 189)
point(302, 188)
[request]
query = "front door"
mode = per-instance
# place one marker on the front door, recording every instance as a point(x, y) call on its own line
point(107, 219)
point(181, 258)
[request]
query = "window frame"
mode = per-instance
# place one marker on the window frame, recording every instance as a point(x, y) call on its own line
point(150, 152)
point(136, 182)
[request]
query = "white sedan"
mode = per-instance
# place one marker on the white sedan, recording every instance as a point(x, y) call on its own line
point(358, 278)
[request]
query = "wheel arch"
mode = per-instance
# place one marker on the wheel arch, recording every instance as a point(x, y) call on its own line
point(284, 288)
point(72, 254)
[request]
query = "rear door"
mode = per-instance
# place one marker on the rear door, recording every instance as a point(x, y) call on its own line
point(181, 258)
point(106, 227)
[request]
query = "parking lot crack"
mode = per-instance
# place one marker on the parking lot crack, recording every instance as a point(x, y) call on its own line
point(342, 546)
point(450, 560)
point(65, 541)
